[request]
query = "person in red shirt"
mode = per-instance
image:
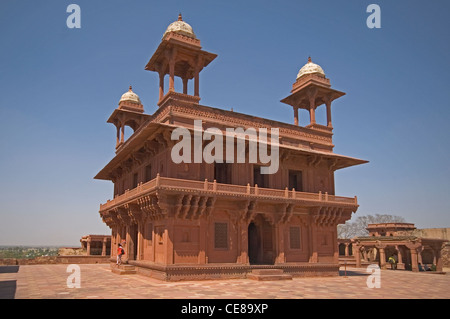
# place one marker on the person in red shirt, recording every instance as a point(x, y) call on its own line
point(120, 253)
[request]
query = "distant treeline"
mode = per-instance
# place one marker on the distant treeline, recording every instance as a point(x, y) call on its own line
point(21, 252)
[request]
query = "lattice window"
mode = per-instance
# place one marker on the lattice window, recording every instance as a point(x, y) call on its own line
point(294, 237)
point(221, 235)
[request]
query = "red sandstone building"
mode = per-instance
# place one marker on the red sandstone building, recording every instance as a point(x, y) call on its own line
point(223, 220)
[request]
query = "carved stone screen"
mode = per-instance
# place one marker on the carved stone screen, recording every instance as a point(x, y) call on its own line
point(221, 235)
point(294, 237)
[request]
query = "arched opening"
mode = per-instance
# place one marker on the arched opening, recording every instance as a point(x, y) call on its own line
point(260, 242)
point(253, 243)
point(341, 249)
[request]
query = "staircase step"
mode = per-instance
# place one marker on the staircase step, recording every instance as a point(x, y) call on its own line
point(123, 269)
point(268, 274)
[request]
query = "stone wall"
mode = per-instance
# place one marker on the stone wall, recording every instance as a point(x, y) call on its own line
point(71, 251)
point(56, 260)
point(440, 233)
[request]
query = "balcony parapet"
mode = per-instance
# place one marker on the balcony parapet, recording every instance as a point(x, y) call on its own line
point(214, 188)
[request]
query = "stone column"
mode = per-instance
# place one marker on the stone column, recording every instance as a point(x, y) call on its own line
point(382, 258)
point(161, 85)
point(128, 250)
point(312, 92)
point(356, 249)
point(328, 103)
point(279, 231)
point(197, 76)
point(88, 246)
point(314, 258)
point(419, 255)
point(296, 116)
point(140, 241)
point(400, 264)
point(203, 240)
point(312, 115)
point(172, 74)
point(185, 85)
point(118, 136)
point(414, 264)
point(438, 254)
point(104, 246)
point(168, 242)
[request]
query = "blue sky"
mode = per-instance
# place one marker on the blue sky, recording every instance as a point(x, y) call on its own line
point(58, 86)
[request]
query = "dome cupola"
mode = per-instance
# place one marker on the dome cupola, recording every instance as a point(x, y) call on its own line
point(180, 27)
point(310, 68)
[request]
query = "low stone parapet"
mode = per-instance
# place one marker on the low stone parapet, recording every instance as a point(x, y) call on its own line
point(55, 260)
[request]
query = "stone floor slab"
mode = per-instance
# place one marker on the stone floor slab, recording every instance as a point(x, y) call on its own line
point(98, 282)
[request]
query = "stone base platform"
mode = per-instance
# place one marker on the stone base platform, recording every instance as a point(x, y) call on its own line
point(123, 269)
point(231, 271)
point(268, 274)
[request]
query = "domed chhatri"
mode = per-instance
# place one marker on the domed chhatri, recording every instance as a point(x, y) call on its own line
point(310, 68)
point(130, 96)
point(180, 27)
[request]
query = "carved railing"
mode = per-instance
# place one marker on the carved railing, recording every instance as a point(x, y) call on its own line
point(224, 189)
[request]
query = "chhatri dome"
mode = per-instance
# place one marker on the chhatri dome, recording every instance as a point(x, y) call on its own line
point(130, 96)
point(180, 27)
point(310, 68)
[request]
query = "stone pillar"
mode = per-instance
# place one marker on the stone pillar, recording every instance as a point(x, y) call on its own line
point(400, 264)
point(168, 242)
point(128, 250)
point(328, 103)
point(104, 246)
point(312, 92)
point(279, 232)
point(414, 263)
point(313, 258)
point(172, 74)
point(419, 255)
point(140, 241)
point(312, 115)
point(118, 136)
point(197, 84)
point(161, 85)
point(439, 262)
point(197, 76)
point(203, 240)
point(357, 253)
point(346, 249)
point(382, 258)
point(88, 246)
point(296, 116)
point(185, 85)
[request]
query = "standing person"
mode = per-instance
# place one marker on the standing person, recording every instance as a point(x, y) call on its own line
point(393, 262)
point(120, 252)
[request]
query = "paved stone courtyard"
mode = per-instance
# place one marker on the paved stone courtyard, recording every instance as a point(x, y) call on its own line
point(98, 282)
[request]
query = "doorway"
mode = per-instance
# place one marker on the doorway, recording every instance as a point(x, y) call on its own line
point(260, 242)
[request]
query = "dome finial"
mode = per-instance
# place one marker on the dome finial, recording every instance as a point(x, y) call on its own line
point(130, 89)
point(309, 59)
point(179, 17)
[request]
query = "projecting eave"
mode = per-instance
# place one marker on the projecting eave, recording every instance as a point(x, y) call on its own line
point(133, 144)
point(336, 161)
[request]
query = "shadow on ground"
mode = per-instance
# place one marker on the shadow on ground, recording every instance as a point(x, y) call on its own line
point(352, 273)
point(7, 289)
point(8, 269)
